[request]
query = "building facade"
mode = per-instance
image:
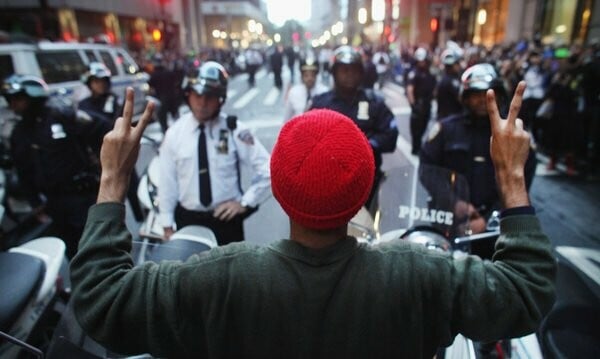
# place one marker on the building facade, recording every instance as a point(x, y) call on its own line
point(135, 24)
point(233, 24)
point(489, 22)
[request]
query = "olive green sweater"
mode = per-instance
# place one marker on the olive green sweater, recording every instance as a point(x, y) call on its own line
point(351, 300)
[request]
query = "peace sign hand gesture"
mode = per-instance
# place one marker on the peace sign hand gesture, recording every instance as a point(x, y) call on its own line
point(509, 148)
point(120, 150)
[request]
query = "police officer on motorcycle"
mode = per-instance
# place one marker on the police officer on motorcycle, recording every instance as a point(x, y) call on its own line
point(102, 102)
point(363, 106)
point(462, 143)
point(106, 105)
point(51, 147)
point(200, 159)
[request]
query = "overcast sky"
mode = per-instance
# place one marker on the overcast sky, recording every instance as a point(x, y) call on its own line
point(281, 10)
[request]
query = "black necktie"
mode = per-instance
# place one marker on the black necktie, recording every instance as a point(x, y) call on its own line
point(203, 174)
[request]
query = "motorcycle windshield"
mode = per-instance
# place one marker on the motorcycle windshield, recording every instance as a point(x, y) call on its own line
point(426, 196)
point(70, 340)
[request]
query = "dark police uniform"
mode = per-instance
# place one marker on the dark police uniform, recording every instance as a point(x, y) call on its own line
point(108, 107)
point(424, 85)
point(372, 116)
point(51, 155)
point(462, 143)
point(447, 96)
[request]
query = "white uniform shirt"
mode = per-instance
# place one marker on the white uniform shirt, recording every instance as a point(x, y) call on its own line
point(535, 83)
point(178, 161)
point(297, 99)
point(253, 57)
point(381, 61)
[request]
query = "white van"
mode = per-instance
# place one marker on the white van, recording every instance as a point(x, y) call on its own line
point(62, 64)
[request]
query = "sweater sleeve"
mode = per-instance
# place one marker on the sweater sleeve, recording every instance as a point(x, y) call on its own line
point(508, 296)
point(129, 310)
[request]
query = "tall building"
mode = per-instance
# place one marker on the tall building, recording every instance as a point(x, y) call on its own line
point(325, 13)
point(135, 24)
point(504, 21)
point(232, 24)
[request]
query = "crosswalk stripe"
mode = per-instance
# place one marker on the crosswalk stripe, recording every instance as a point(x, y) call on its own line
point(402, 110)
point(272, 97)
point(268, 123)
point(260, 74)
point(405, 148)
point(394, 87)
point(246, 98)
point(231, 93)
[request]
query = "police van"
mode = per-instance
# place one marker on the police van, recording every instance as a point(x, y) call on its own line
point(62, 64)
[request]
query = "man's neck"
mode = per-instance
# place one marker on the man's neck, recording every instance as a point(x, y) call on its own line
point(316, 239)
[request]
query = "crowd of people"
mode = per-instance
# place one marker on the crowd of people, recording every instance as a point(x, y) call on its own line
point(560, 104)
point(338, 109)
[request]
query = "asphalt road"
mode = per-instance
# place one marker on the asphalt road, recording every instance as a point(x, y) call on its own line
point(566, 206)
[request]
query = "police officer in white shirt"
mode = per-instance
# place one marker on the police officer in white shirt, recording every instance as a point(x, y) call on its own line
point(299, 95)
point(200, 160)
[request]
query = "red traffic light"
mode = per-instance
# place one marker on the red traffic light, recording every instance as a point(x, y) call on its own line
point(434, 24)
point(387, 30)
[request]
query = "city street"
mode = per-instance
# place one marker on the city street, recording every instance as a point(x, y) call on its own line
point(66, 67)
point(567, 206)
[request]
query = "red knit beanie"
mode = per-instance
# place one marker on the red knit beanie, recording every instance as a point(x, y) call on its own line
point(322, 169)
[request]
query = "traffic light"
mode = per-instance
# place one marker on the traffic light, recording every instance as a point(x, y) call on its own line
point(434, 24)
point(156, 35)
point(295, 37)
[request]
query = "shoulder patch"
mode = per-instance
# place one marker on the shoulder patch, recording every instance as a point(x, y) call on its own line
point(435, 130)
point(246, 137)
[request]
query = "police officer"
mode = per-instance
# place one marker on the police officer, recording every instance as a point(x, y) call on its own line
point(299, 95)
point(106, 105)
point(200, 160)
point(102, 102)
point(448, 87)
point(50, 147)
point(419, 92)
point(364, 107)
point(462, 143)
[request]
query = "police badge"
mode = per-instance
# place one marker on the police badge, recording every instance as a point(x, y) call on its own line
point(223, 145)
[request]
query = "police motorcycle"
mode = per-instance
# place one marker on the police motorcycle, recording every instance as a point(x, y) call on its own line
point(32, 292)
point(428, 205)
point(71, 341)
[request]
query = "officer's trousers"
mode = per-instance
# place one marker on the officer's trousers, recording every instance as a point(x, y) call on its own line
point(419, 118)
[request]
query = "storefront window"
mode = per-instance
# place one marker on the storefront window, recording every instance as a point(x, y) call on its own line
point(558, 21)
point(490, 22)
